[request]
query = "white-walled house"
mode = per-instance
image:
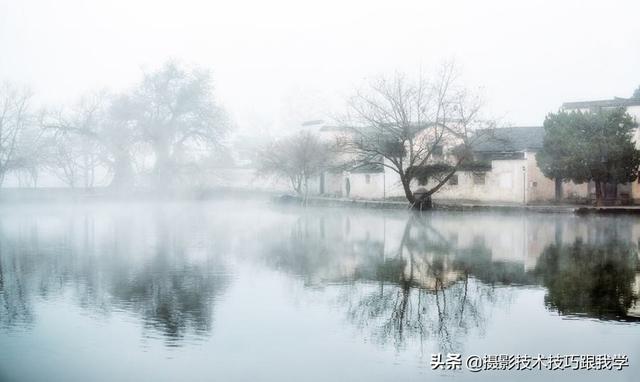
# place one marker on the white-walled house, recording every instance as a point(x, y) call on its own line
point(511, 174)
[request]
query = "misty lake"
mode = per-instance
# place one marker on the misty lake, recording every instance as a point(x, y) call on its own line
point(250, 291)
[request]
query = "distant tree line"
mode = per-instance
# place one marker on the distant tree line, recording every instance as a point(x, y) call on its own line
point(151, 135)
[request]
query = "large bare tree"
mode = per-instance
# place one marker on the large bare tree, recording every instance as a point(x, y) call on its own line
point(418, 128)
point(174, 111)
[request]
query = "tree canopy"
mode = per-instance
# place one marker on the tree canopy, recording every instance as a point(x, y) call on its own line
point(169, 119)
point(174, 109)
point(584, 147)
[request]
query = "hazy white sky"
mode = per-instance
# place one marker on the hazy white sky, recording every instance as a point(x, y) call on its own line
point(274, 59)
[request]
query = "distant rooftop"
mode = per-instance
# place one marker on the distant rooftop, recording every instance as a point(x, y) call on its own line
point(510, 139)
point(616, 102)
point(335, 128)
point(322, 125)
point(506, 139)
point(367, 168)
point(369, 129)
point(313, 122)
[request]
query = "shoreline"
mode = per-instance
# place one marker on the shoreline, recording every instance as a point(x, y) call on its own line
point(60, 195)
point(470, 206)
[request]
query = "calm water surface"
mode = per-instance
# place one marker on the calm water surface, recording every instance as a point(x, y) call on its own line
point(247, 291)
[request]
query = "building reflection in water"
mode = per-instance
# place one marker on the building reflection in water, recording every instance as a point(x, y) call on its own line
point(436, 277)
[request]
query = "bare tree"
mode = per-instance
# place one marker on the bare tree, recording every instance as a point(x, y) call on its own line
point(31, 155)
point(66, 160)
point(296, 158)
point(15, 118)
point(100, 137)
point(174, 111)
point(419, 129)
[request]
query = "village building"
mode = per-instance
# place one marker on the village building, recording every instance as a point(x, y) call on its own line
point(510, 174)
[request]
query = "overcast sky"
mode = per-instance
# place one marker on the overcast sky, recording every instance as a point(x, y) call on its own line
point(271, 59)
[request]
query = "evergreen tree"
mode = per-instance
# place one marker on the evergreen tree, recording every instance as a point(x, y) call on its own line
point(584, 147)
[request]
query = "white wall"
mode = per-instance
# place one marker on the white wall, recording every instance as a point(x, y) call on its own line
point(504, 183)
point(512, 181)
point(540, 188)
point(509, 181)
point(366, 186)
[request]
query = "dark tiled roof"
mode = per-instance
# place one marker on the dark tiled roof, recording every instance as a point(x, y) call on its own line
point(616, 102)
point(313, 122)
point(372, 131)
point(510, 139)
point(335, 128)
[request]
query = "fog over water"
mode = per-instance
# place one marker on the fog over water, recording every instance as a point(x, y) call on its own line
point(237, 290)
point(179, 182)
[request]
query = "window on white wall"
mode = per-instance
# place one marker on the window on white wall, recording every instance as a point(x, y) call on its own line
point(453, 181)
point(478, 178)
point(367, 179)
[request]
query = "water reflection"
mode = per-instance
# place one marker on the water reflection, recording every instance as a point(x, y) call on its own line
point(147, 265)
point(421, 286)
point(590, 279)
point(436, 278)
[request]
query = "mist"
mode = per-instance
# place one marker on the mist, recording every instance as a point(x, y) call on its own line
point(357, 190)
point(528, 58)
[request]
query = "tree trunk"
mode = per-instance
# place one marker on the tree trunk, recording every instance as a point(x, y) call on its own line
point(598, 193)
point(422, 202)
point(306, 190)
point(611, 192)
point(122, 173)
point(163, 176)
point(406, 185)
point(558, 193)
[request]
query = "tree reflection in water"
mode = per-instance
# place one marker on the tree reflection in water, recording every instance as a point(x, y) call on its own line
point(428, 279)
point(427, 287)
point(593, 280)
point(149, 267)
point(424, 288)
